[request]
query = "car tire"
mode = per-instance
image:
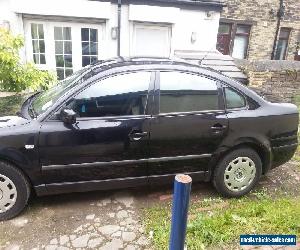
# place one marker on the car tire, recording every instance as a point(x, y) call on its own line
point(14, 191)
point(237, 173)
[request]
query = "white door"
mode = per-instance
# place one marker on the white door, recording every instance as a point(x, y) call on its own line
point(150, 40)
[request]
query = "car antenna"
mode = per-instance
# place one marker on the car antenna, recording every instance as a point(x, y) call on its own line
point(206, 55)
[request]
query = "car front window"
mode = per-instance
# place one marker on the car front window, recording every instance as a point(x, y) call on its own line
point(46, 99)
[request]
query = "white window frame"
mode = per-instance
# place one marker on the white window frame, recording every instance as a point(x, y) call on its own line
point(158, 26)
point(48, 27)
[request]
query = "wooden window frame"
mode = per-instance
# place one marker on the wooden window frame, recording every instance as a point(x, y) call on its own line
point(234, 24)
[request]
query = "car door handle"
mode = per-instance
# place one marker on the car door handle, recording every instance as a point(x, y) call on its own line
point(136, 136)
point(218, 128)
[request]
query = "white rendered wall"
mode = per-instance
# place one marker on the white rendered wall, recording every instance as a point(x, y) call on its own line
point(181, 22)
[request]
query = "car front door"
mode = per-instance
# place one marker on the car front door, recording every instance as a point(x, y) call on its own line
point(188, 126)
point(109, 140)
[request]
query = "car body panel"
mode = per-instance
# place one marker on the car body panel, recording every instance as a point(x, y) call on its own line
point(98, 154)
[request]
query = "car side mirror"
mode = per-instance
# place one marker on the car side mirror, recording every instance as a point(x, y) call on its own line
point(68, 116)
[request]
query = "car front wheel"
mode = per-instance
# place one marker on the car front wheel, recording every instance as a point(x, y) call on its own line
point(14, 191)
point(238, 172)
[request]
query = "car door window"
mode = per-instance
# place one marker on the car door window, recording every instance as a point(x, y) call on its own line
point(118, 95)
point(234, 99)
point(184, 92)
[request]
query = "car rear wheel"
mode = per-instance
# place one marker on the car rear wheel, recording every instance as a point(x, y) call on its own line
point(14, 191)
point(238, 172)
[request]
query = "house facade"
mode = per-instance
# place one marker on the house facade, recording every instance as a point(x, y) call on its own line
point(260, 29)
point(66, 35)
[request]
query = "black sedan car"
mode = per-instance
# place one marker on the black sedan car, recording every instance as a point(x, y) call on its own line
point(136, 121)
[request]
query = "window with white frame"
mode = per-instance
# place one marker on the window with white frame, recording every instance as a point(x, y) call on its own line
point(63, 51)
point(151, 40)
point(63, 47)
point(89, 44)
point(38, 43)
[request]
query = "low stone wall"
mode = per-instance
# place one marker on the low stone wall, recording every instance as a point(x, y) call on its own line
point(276, 80)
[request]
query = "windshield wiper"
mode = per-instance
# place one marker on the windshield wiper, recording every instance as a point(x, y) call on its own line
point(31, 109)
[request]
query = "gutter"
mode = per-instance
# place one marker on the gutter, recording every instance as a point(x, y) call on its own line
point(119, 27)
point(280, 15)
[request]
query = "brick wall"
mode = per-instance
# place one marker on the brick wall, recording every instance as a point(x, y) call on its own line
point(258, 12)
point(276, 80)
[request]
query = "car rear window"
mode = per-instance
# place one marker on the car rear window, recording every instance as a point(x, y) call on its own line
point(184, 92)
point(234, 99)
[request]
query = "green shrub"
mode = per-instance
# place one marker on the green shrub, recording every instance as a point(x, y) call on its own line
point(15, 76)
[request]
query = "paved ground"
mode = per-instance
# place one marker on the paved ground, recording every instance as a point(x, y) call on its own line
point(108, 219)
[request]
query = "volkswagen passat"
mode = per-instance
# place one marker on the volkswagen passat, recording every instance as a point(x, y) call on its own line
point(138, 121)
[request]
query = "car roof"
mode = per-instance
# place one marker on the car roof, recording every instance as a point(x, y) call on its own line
point(120, 61)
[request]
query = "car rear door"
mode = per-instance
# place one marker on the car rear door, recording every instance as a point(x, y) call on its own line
point(110, 138)
point(188, 125)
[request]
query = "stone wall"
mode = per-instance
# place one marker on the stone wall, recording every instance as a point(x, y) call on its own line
point(276, 80)
point(261, 14)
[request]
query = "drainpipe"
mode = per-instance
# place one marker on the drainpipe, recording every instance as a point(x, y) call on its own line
point(280, 15)
point(119, 27)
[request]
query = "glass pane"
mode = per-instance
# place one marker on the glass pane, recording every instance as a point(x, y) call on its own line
point(234, 99)
point(67, 33)
point(240, 47)
point(68, 60)
point(42, 59)
point(94, 48)
point(182, 92)
point(85, 60)
point(94, 59)
point(84, 34)
point(224, 28)
point(60, 74)
point(68, 48)
point(58, 33)
point(243, 29)
point(115, 96)
point(68, 72)
point(35, 46)
point(34, 33)
point(59, 61)
point(281, 49)
point(59, 47)
point(93, 35)
point(85, 48)
point(36, 58)
point(42, 46)
point(41, 31)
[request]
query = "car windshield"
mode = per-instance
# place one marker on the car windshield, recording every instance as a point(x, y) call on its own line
point(46, 99)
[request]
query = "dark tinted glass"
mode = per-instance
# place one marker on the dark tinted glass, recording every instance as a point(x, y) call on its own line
point(84, 34)
point(115, 96)
point(93, 35)
point(182, 92)
point(234, 99)
point(85, 60)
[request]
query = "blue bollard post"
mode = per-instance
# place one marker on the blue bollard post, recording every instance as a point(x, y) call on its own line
point(181, 199)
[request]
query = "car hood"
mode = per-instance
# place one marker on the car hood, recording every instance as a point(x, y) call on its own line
point(10, 121)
